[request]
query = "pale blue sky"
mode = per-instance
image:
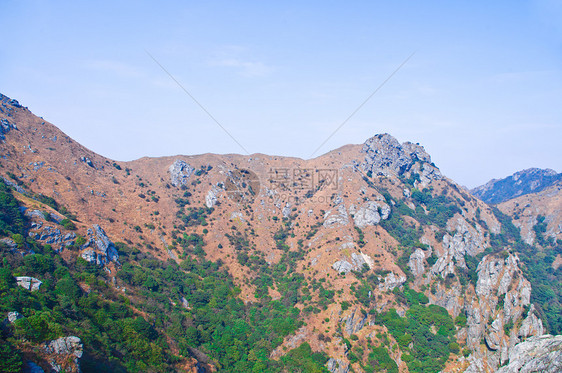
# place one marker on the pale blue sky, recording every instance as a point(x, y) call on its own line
point(482, 93)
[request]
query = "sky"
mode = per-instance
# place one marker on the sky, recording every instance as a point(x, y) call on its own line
point(482, 91)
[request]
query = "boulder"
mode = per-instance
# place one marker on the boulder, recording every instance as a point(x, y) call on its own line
point(371, 213)
point(29, 283)
point(180, 171)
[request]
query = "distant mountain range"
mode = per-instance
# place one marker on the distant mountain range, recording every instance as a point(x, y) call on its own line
point(532, 180)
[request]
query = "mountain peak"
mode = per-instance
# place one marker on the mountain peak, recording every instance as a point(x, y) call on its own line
point(384, 155)
point(531, 180)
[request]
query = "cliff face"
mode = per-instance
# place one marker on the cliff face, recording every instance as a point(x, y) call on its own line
point(364, 233)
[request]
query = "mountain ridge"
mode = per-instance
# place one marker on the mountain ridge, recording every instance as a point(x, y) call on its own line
point(342, 254)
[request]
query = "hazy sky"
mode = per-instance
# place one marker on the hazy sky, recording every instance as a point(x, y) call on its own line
point(483, 92)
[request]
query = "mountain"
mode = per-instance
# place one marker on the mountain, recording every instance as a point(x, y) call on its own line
point(364, 259)
point(532, 180)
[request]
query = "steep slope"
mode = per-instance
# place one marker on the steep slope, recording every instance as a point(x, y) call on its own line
point(532, 180)
point(367, 256)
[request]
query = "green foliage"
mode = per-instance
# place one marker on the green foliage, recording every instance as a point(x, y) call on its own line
point(68, 224)
point(11, 218)
point(429, 351)
point(380, 361)
point(546, 283)
point(302, 359)
point(461, 320)
point(10, 358)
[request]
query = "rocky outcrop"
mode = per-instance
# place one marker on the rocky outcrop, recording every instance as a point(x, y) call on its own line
point(354, 322)
point(391, 281)
point(52, 236)
point(64, 354)
point(180, 171)
point(536, 354)
point(532, 325)
point(98, 248)
point(211, 198)
point(416, 262)
point(337, 216)
point(29, 283)
point(358, 261)
point(14, 316)
point(5, 127)
point(494, 313)
point(337, 366)
point(465, 239)
point(371, 213)
point(384, 155)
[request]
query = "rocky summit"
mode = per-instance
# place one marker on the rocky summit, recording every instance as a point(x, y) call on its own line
point(364, 259)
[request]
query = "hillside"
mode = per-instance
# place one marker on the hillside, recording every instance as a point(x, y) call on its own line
point(363, 259)
point(532, 180)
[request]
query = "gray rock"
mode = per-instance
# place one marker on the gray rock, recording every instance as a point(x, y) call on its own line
point(466, 240)
point(536, 354)
point(29, 283)
point(10, 243)
point(354, 322)
point(99, 249)
point(65, 346)
point(88, 161)
point(35, 214)
point(211, 198)
point(337, 216)
point(384, 155)
point(532, 325)
point(391, 281)
point(416, 262)
point(337, 366)
point(371, 213)
point(14, 316)
point(342, 266)
point(14, 185)
point(180, 171)
point(286, 210)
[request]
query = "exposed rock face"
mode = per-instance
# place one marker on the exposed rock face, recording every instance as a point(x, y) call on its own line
point(354, 322)
point(416, 262)
point(532, 325)
point(337, 216)
point(99, 249)
point(494, 313)
point(371, 213)
point(211, 198)
point(5, 127)
point(358, 260)
point(531, 180)
point(337, 366)
point(180, 171)
point(537, 354)
point(391, 281)
point(384, 155)
point(66, 353)
point(29, 283)
point(52, 236)
point(466, 240)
